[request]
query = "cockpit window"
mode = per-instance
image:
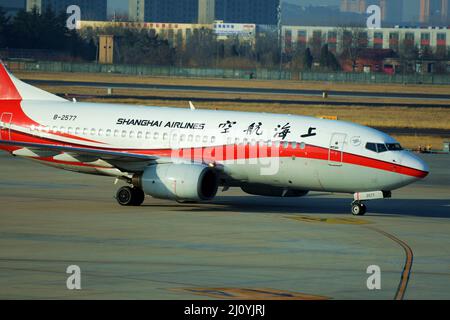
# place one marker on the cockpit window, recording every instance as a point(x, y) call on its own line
point(381, 147)
point(394, 147)
point(371, 146)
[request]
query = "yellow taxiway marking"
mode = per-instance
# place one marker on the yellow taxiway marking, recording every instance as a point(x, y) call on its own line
point(250, 294)
point(310, 219)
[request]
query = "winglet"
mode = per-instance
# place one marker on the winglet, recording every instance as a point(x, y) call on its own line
point(191, 105)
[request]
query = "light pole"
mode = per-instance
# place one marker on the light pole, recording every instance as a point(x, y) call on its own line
point(280, 37)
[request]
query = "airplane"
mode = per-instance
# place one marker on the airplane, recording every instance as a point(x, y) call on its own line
point(186, 155)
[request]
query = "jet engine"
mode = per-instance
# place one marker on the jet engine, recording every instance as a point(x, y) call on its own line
point(269, 191)
point(181, 182)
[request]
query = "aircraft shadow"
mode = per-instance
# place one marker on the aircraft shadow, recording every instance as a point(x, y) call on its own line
point(433, 208)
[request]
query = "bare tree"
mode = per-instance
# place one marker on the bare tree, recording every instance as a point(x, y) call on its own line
point(355, 40)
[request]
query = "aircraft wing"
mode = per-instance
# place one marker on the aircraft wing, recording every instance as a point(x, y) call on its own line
point(125, 161)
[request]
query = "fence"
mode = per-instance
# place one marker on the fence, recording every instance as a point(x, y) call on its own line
point(260, 74)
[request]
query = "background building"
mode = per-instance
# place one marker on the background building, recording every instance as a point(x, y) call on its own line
point(12, 7)
point(206, 11)
point(31, 4)
point(174, 11)
point(90, 9)
point(177, 34)
point(262, 12)
point(396, 39)
point(434, 11)
point(356, 6)
point(136, 10)
point(391, 10)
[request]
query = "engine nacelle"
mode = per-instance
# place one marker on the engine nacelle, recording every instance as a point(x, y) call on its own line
point(269, 191)
point(181, 182)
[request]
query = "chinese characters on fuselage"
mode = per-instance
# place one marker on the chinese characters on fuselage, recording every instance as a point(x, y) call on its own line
point(255, 128)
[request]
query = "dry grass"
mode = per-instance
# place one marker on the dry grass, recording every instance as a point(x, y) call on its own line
point(116, 78)
point(394, 117)
point(414, 142)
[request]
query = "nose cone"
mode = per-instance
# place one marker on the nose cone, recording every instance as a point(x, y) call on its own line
point(415, 167)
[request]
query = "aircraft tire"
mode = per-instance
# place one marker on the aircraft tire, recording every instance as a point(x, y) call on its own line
point(127, 196)
point(359, 209)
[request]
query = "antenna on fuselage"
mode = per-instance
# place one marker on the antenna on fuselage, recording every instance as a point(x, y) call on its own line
point(191, 105)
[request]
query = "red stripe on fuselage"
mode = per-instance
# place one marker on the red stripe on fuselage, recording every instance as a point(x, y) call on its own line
point(239, 152)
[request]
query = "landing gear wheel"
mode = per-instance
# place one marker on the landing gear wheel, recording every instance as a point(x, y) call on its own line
point(138, 197)
point(127, 196)
point(359, 209)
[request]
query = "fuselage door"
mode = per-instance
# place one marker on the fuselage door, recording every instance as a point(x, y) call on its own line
point(5, 126)
point(336, 151)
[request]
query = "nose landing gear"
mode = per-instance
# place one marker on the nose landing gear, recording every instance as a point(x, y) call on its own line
point(358, 208)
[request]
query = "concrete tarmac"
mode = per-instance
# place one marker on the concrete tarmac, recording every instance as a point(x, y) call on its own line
point(236, 246)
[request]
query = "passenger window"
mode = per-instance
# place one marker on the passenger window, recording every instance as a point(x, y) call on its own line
point(371, 146)
point(156, 136)
point(85, 131)
point(191, 138)
point(165, 136)
point(139, 135)
point(93, 132)
point(116, 133)
point(55, 129)
point(100, 132)
point(70, 130)
point(77, 131)
point(147, 135)
point(205, 139)
point(302, 146)
point(108, 132)
point(131, 134)
point(286, 145)
point(182, 138)
point(124, 134)
point(197, 139)
point(294, 145)
point(62, 130)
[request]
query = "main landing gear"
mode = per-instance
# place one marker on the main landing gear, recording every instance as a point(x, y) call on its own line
point(130, 196)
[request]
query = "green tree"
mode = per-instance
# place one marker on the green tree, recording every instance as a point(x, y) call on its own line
point(4, 28)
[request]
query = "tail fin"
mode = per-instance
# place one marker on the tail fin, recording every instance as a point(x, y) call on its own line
point(12, 88)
